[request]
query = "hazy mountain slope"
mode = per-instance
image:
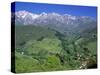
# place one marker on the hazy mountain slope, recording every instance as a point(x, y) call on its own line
point(26, 33)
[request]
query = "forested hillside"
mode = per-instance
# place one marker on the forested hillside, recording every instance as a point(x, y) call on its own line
point(41, 48)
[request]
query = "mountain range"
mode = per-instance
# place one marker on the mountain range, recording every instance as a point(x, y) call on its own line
point(61, 22)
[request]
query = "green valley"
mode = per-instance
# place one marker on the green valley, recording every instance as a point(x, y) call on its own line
point(40, 48)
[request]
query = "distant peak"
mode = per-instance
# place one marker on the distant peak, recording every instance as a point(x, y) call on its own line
point(22, 11)
point(43, 13)
point(54, 13)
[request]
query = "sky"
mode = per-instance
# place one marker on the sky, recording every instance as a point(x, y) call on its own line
point(57, 8)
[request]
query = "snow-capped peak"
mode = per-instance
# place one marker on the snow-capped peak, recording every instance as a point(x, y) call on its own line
point(21, 13)
point(55, 14)
point(47, 18)
point(43, 13)
point(24, 13)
